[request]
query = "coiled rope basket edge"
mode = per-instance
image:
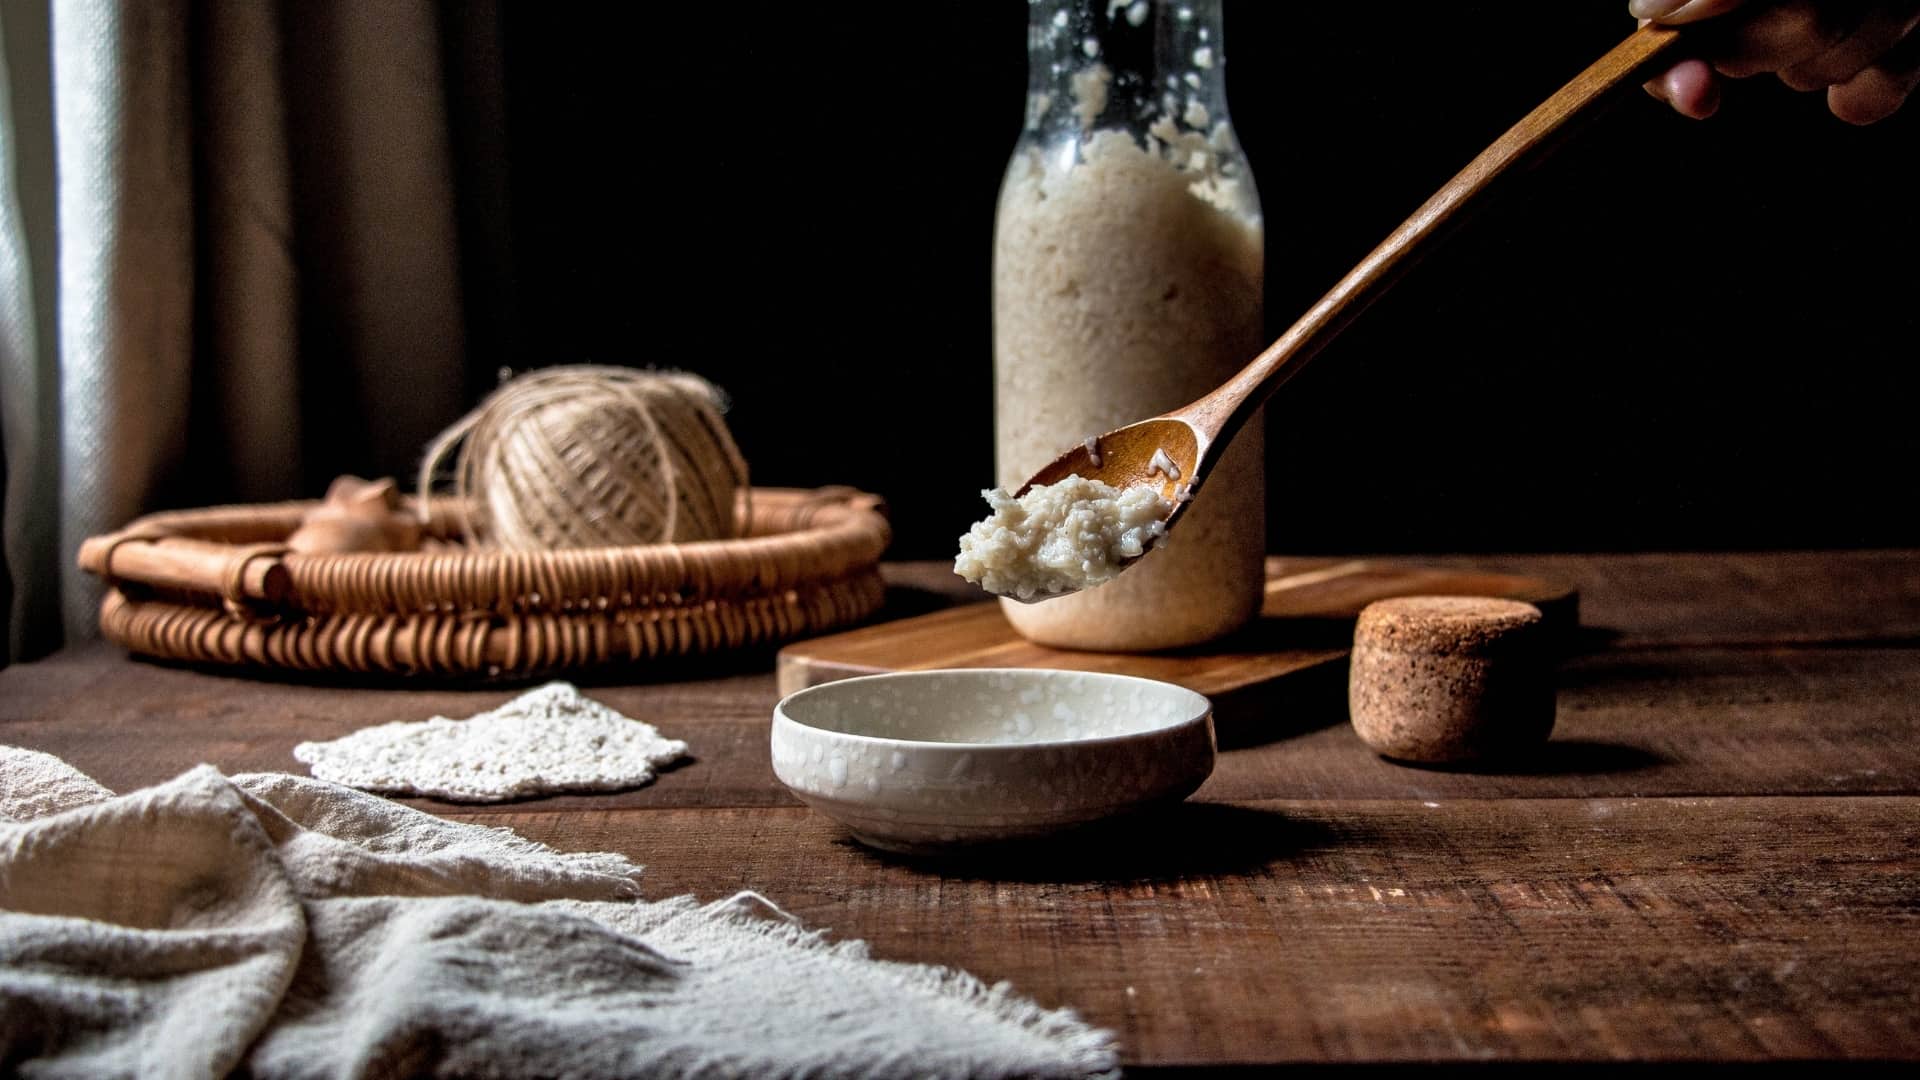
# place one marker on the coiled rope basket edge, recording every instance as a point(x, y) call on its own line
point(217, 586)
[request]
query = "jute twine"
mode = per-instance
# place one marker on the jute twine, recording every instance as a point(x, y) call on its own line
point(592, 456)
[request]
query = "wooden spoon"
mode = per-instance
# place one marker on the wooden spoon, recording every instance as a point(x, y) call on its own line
point(1194, 437)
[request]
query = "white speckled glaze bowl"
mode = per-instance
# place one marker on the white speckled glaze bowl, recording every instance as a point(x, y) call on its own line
point(924, 762)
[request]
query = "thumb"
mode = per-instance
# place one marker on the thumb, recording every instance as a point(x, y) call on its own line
point(1678, 12)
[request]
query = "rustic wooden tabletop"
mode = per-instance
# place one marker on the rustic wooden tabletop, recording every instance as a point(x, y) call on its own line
point(1717, 859)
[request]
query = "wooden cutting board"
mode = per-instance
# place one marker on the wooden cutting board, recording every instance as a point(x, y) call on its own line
point(1298, 644)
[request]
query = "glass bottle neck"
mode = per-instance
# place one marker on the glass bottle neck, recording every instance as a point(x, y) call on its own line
point(1128, 64)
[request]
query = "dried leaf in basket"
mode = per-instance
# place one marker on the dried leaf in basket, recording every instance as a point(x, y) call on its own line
point(594, 456)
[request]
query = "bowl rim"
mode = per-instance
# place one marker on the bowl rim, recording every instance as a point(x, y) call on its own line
point(1204, 718)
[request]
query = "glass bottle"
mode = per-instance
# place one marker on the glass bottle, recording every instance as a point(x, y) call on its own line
point(1127, 277)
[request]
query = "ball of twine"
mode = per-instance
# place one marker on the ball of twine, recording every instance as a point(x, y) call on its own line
point(592, 456)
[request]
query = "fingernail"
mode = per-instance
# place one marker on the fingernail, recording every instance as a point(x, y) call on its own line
point(1654, 9)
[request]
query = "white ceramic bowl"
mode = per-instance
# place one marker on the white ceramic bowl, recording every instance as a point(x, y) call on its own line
point(928, 761)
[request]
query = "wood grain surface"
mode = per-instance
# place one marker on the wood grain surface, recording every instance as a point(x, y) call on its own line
point(1717, 859)
point(1383, 931)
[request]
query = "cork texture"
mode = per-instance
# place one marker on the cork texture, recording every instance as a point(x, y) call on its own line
point(1439, 679)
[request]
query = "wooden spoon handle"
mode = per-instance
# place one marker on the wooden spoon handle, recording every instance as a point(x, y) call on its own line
point(1221, 413)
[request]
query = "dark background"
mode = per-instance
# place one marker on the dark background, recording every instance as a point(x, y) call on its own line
point(1674, 335)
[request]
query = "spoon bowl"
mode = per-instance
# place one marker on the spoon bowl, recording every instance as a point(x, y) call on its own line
point(1163, 453)
point(1125, 457)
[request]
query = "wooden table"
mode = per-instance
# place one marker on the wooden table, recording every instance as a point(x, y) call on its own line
point(1718, 859)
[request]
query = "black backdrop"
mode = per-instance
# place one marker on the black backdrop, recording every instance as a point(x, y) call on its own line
point(1675, 335)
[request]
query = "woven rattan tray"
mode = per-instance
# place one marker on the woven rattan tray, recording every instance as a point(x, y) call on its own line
point(218, 586)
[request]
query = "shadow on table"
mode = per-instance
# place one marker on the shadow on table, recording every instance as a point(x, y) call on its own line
point(1302, 702)
point(1583, 640)
point(1514, 1070)
point(1183, 840)
point(744, 661)
point(1559, 757)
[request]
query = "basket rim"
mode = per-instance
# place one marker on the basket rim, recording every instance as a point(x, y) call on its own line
point(799, 537)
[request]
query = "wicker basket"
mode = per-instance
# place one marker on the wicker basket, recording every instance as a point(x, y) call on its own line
point(218, 586)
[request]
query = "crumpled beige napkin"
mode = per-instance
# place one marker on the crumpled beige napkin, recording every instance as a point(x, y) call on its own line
point(296, 928)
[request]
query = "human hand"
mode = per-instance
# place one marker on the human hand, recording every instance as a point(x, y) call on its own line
point(1864, 53)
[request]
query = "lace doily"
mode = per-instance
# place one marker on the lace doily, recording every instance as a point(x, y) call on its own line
point(548, 740)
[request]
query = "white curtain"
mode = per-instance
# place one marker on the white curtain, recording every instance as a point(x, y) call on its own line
point(228, 242)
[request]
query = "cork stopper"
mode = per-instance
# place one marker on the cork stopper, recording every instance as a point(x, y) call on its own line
point(1450, 678)
point(1447, 624)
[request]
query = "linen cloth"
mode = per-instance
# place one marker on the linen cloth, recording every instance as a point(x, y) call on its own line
point(296, 928)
